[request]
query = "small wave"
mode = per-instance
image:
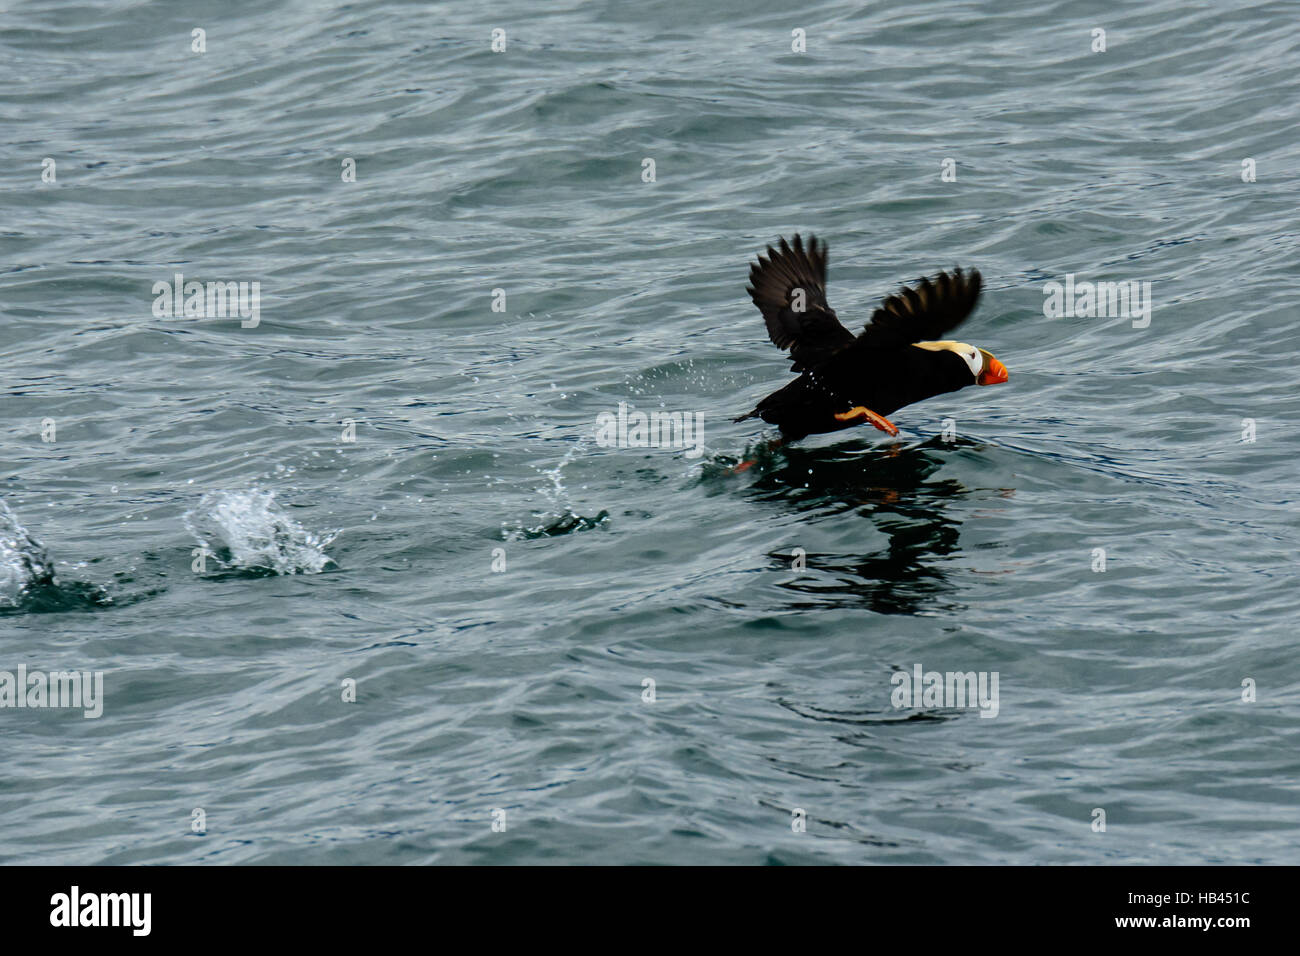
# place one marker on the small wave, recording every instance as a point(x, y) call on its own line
point(27, 581)
point(551, 526)
point(559, 517)
point(248, 531)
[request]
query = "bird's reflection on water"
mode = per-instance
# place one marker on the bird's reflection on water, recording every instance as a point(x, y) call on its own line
point(893, 489)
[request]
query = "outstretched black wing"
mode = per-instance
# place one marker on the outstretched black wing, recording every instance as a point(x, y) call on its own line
point(924, 312)
point(789, 288)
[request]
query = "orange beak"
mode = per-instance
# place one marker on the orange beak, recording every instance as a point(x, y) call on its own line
point(995, 373)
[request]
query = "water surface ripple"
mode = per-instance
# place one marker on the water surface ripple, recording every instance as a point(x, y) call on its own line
point(372, 560)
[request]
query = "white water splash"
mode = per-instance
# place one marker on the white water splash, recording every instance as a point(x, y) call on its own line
point(559, 517)
point(247, 529)
point(23, 561)
point(556, 493)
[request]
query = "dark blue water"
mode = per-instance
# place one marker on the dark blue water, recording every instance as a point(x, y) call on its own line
point(379, 479)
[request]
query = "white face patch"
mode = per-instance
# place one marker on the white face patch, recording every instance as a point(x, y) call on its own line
point(972, 356)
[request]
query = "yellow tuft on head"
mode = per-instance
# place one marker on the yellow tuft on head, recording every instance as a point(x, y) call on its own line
point(947, 345)
point(973, 357)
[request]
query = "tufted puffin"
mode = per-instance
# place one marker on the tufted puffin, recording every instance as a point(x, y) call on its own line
point(898, 358)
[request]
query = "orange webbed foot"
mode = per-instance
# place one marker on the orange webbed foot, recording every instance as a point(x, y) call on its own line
point(862, 413)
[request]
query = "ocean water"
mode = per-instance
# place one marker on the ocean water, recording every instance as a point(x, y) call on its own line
point(387, 480)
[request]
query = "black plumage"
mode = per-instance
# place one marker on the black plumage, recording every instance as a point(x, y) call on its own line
point(881, 369)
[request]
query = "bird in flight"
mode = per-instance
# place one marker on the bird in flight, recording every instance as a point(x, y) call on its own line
point(900, 357)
